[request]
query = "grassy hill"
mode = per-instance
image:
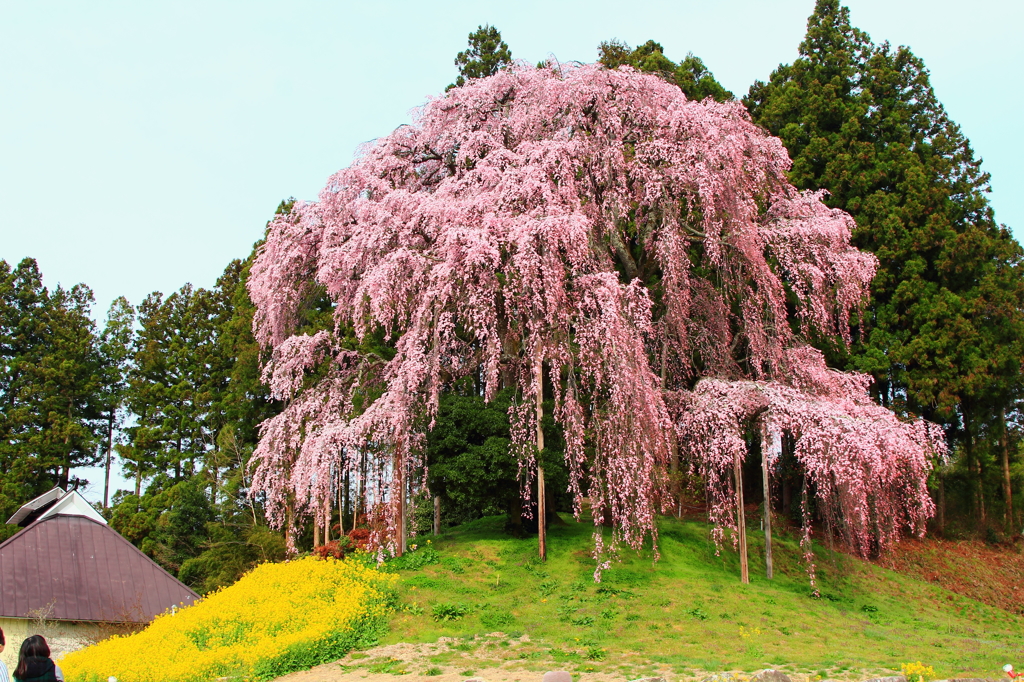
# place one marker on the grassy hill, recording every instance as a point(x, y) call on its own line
point(682, 615)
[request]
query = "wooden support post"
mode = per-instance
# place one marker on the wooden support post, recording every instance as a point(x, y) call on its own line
point(342, 494)
point(741, 521)
point(399, 490)
point(767, 506)
point(407, 515)
point(289, 532)
point(541, 501)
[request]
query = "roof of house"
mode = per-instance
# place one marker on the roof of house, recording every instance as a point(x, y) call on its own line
point(53, 502)
point(30, 510)
point(77, 568)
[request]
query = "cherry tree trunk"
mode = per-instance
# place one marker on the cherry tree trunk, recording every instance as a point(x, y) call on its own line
point(408, 509)
point(437, 514)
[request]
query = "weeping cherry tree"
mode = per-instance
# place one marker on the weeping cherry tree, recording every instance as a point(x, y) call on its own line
point(591, 231)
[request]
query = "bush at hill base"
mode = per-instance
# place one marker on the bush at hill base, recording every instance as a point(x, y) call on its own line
point(276, 619)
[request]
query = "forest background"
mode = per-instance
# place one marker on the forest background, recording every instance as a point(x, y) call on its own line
point(169, 386)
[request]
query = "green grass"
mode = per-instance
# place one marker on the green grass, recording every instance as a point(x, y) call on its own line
point(688, 612)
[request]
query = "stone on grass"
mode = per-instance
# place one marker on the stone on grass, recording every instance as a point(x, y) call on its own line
point(894, 678)
point(724, 677)
point(649, 679)
point(557, 676)
point(770, 675)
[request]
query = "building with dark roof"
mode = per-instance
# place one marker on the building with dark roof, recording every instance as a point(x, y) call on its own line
point(68, 572)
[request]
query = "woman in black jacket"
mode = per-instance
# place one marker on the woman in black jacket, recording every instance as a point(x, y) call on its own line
point(34, 664)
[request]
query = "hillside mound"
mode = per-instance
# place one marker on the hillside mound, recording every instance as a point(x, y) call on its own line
point(477, 600)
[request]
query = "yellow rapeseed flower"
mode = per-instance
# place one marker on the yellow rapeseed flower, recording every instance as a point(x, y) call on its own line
point(277, 618)
point(917, 672)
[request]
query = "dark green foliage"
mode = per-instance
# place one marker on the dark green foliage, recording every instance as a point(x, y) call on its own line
point(471, 467)
point(231, 549)
point(486, 54)
point(189, 378)
point(468, 456)
point(692, 77)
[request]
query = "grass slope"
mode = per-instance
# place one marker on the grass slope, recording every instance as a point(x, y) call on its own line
point(686, 613)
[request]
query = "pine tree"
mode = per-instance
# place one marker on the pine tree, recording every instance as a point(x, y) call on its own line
point(486, 54)
point(691, 75)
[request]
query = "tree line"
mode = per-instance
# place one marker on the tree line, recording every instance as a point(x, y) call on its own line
point(170, 388)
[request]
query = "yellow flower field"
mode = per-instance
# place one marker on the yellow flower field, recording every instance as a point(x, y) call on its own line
point(278, 618)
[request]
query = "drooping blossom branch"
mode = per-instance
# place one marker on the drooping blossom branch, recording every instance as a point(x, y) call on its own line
point(867, 468)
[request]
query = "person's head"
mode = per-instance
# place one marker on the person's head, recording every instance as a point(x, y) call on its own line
point(3, 642)
point(33, 647)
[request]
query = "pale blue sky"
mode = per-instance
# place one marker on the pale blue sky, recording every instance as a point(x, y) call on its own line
point(145, 144)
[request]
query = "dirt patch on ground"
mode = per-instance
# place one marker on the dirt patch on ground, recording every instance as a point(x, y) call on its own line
point(494, 657)
point(992, 574)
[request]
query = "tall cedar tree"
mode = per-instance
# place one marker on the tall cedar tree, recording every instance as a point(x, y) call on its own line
point(115, 348)
point(176, 378)
point(943, 333)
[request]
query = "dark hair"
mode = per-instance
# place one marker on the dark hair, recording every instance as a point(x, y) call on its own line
point(3, 642)
point(33, 647)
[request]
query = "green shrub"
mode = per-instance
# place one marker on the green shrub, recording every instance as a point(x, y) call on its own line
point(446, 611)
